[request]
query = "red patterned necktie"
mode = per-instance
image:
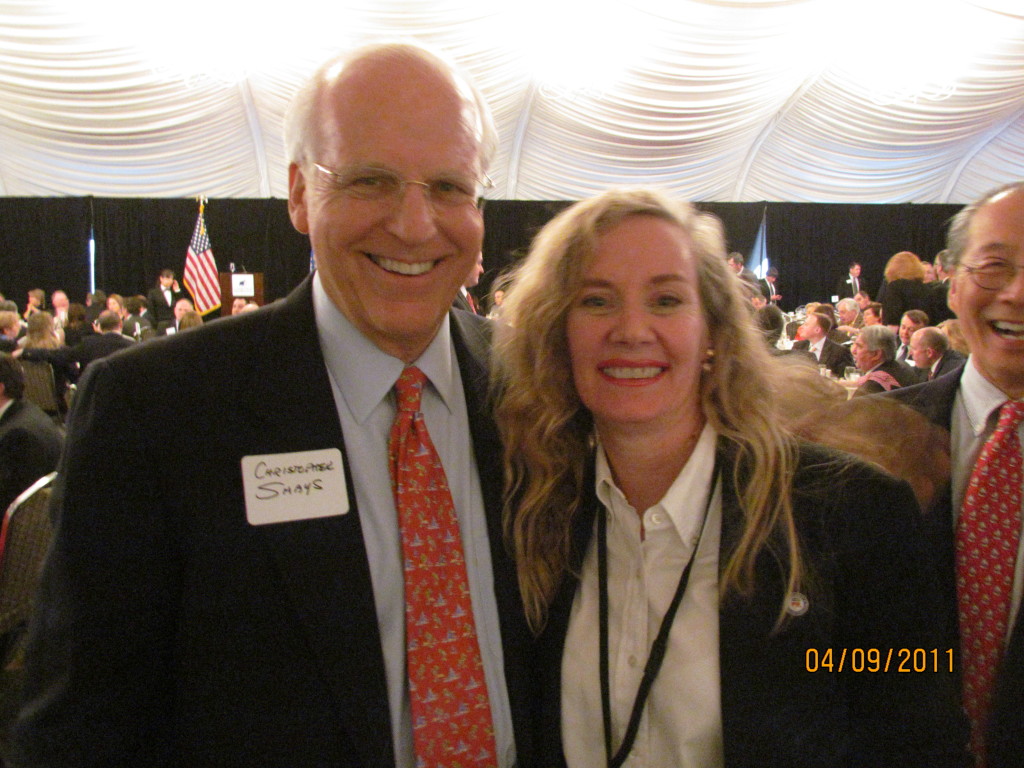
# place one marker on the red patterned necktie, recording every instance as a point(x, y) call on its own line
point(987, 537)
point(451, 714)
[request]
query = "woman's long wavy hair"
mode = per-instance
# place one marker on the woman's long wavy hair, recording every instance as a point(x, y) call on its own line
point(904, 266)
point(549, 435)
point(39, 333)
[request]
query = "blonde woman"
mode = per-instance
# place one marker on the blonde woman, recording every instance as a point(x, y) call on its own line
point(39, 332)
point(695, 573)
point(904, 288)
point(115, 303)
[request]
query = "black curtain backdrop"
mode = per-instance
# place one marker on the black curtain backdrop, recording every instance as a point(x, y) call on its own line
point(812, 244)
point(136, 238)
point(44, 242)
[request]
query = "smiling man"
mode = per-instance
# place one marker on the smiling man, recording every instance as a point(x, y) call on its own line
point(196, 613)
point(981, 407)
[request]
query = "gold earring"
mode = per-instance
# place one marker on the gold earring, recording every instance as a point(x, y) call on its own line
point(709, 359)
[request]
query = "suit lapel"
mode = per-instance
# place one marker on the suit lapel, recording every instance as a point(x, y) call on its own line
point(743, 624)
point(322, 562)
point(471, 339)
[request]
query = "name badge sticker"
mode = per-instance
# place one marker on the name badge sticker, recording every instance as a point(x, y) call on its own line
point(285, 487)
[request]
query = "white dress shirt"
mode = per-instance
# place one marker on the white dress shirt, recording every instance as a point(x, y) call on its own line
point(815, 347)
point(975, 415)
point(682, 720)
point(362, 379)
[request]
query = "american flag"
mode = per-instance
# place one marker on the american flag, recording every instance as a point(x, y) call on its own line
point(201, 270)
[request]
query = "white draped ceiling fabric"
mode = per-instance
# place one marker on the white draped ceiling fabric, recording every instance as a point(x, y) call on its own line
point(852, 101)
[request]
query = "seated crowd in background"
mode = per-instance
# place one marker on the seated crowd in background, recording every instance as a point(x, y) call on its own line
point(68, 335)
point(912, 305)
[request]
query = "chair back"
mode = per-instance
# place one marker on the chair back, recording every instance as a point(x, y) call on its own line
point(24, 539)
point(40, 387)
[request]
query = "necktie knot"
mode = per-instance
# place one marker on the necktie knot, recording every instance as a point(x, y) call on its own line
point(1011, 414)
point(409, 389)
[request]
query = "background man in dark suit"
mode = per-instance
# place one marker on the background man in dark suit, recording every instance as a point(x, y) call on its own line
point(874, 352)
point(464, 299)
point(162, 298)
point(912, 320)
point(938, 298)
point(932, 354)
point(736, 262)
point(769, 287)
point(826, 352)
point(139, 318)
point(243, 603)
point(849, 285)
point(182, 307)
point(30, 443)
point(107, 341)
point(986, 249)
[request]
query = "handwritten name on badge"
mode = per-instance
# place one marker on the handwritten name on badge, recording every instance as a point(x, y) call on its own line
point(285, 487)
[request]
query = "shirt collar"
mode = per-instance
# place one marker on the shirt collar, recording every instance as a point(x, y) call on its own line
point(365, 373)
point(688, 492)
point(980, 397)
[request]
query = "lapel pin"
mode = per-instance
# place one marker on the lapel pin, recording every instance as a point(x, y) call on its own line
point(797, 604)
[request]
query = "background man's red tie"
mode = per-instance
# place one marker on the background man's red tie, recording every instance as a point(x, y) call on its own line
point(987, 537)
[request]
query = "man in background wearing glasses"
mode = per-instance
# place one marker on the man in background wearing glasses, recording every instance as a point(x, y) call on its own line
point(232, 593)
point(977, 521)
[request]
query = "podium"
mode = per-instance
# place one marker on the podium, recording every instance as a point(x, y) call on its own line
point(245, 285)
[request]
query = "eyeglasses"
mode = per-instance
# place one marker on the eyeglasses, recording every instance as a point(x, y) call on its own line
point(377, 184)
point(992, 275)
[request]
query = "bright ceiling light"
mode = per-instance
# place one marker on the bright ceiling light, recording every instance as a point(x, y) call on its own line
point(898, 50)
point(205, 38)
point(569, 49)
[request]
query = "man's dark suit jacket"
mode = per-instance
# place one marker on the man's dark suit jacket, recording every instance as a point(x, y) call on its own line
point(170, 631)
point(834, 356)
point(98, 345)
point(30, 445)
point(91, 347)
point(1005, 738)
point(158, 307)
point(950, 361)
point(844, 287)
point(461, 302)
point(938, 302)
point(870, 586)
point(136, 323)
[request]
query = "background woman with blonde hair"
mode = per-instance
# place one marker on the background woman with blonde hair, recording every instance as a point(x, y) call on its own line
point(40, 333)
point(904, 287)
point(115, 303)
point(686, 561)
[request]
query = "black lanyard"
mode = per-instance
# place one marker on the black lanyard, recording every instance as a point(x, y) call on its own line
point(657, 655)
